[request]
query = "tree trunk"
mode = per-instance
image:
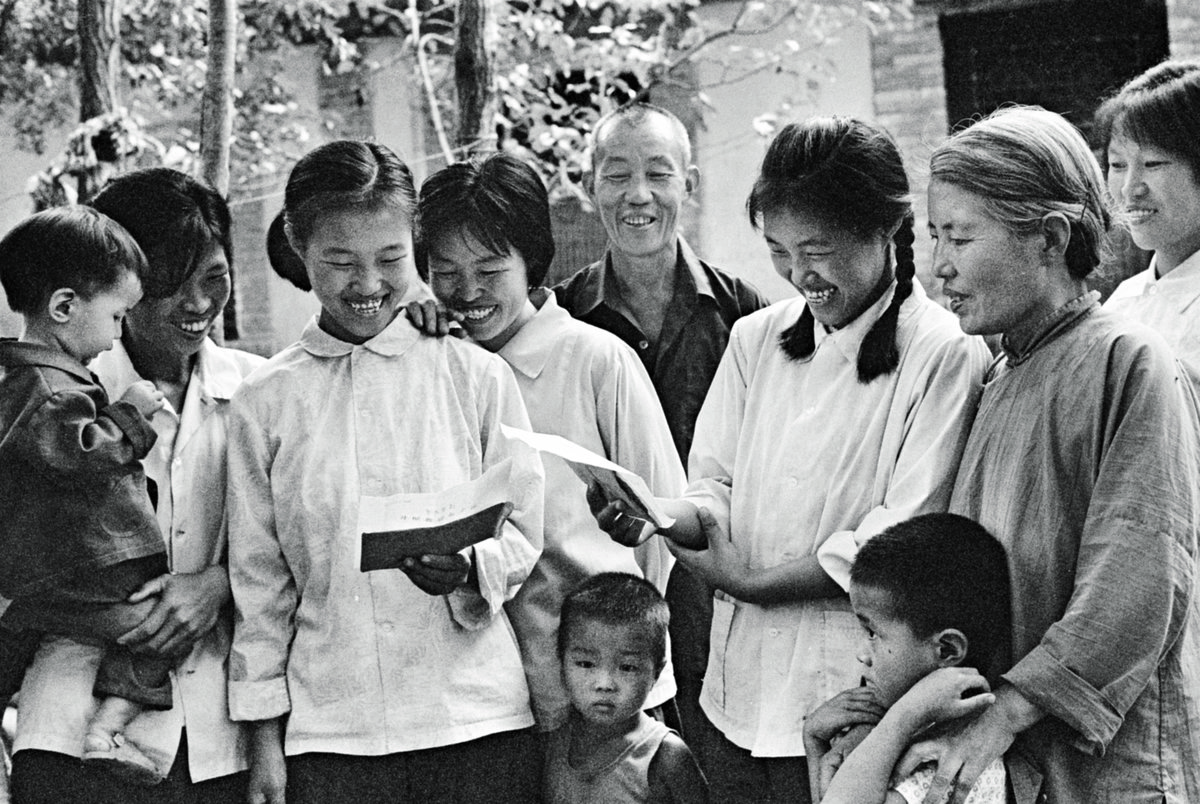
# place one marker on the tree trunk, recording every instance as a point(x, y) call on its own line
point(473, 75)
point(216, 116)
point(99, 27)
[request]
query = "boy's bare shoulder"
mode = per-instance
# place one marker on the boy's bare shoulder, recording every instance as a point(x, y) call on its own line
point(675, 776)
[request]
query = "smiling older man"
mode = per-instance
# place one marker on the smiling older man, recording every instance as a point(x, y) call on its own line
point(674, 309)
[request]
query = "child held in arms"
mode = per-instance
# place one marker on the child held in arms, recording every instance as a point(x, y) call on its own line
point(77, 528)
point(932, 596)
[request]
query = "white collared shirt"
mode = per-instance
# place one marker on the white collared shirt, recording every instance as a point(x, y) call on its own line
point(366, 663)
point(1168, 305)
point(804, 459)
point(187, 463)
point(584, 384)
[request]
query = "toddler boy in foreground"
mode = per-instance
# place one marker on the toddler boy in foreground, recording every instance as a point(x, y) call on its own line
point(77, 528)
point(932, 596)
point(612, 640)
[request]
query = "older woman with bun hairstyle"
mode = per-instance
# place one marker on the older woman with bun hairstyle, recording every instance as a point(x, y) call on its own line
point(1083, 462)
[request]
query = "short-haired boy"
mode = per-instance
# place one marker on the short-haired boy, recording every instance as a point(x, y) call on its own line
point(77, 528)
point(932, 596)
point(612, 640)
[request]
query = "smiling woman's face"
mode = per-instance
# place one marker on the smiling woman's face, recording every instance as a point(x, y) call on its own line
point(179, 323)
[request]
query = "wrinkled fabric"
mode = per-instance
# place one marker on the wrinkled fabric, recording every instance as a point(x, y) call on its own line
point(1083, 463)
point(583, 384)
point(187, 464)
point(796, 458)
point(72, 491)
point(367, 663)
point(1169, 305)
point(706, 303)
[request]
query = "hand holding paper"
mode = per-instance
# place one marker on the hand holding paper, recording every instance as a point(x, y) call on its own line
point(408, 526)
point(607, 483)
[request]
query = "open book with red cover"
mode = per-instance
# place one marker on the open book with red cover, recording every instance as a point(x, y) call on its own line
point(401, 526)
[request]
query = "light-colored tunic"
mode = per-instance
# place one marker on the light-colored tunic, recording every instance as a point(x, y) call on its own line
point(584, 384)
point(187, 463)
point(365, 663)
point(804, 459)
point(1169, 305)
point(1083, 463)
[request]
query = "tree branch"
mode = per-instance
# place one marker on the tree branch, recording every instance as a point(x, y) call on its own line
point(419, 42)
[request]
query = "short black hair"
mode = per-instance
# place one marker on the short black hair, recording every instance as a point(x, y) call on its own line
point(1160, 109)
point(65, 247)
point(944, 571)
point(498, 200)
point(284, 260)
point(618, 598)
point(173, 217)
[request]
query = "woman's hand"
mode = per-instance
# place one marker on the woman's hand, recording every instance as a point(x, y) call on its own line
point(186, 608)
point(439, 574)
point(616, 521)
point(722, 564)
point(964, 748)
point(432, 318)
point(267, 776)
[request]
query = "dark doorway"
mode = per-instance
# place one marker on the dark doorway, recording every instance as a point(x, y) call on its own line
point(1065, 56)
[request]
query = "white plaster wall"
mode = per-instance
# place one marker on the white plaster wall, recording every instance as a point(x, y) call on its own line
point(729, 150)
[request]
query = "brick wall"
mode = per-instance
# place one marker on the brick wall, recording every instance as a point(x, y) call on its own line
point(910, 102)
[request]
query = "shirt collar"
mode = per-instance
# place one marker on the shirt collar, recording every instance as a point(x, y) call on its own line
point(20, 353)
point(1183, 282)
point(1028, 338)
point(848, 340)
point(395, 339)
point(594, 293)
point(528, 350)
point(213, 375)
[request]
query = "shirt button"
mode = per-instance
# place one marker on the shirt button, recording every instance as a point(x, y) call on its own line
point(385, 627)
point(793, 482)
point(643, 344)
point(774, 632)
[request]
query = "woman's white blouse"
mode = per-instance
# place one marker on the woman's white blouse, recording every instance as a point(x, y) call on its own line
point(796, 458)
point(367, 663)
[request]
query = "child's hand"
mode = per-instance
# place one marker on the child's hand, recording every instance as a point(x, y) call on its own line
point(430, 317)
point(945, 694)
point(438, 574)
point(145, 397)
point(852, 707)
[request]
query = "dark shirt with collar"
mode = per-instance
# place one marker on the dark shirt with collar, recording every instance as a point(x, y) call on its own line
point(703, 308)
point(72, 491)
point(705, 304)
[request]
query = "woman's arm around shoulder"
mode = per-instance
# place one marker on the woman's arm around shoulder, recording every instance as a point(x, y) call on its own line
point(675, 778)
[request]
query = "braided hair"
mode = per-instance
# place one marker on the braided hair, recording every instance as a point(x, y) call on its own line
point(850, 172)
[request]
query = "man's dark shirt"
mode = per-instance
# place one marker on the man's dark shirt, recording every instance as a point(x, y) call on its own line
point(695, 330)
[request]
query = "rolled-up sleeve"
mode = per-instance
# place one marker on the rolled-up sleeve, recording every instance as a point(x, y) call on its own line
point(1135, 573)
point(264, 590)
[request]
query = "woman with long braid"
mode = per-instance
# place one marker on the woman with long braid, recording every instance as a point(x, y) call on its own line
point(832, 416)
